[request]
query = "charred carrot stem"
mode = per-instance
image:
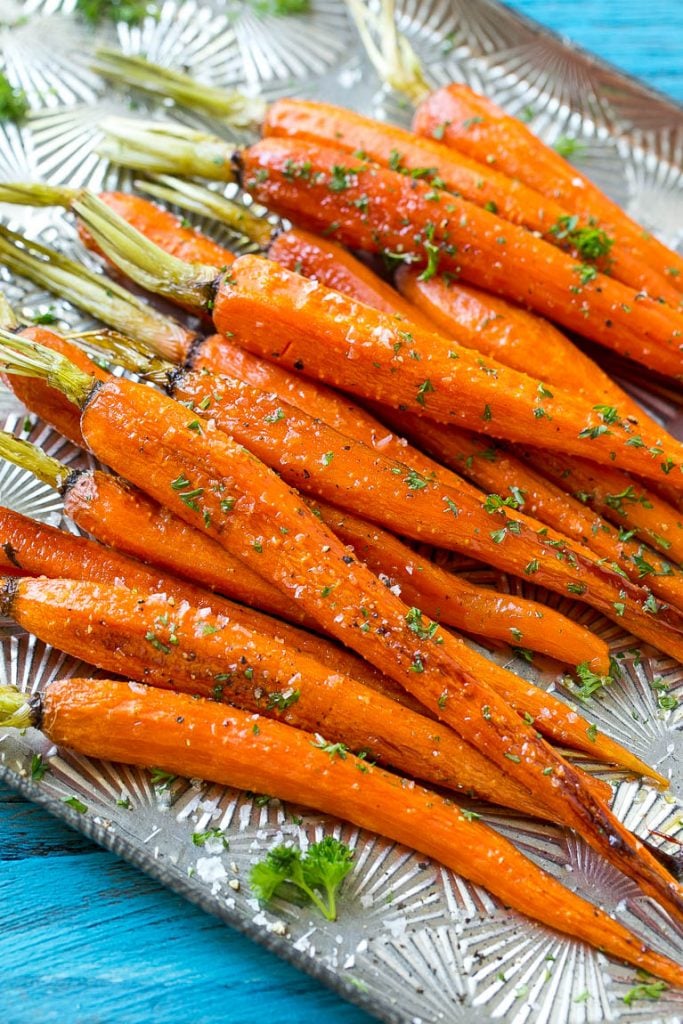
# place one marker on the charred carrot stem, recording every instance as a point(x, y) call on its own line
point(474, 125)
point(139, 725)
point(427, 159)
point(37, 549)
point(156, 639)
point(157, 442)
point(457, 237)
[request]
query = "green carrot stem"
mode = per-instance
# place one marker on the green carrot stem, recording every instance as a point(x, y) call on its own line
point(36, 194)
point(28, 456)
point(8, 318)
point(165, 148)
point(389, 51)
point(91, 292)
point(199, 199)
point(16, 712)
point(187, 283)
point(23, 358)
point(230, 105)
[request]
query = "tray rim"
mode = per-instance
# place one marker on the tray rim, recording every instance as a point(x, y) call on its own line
point(164, 872)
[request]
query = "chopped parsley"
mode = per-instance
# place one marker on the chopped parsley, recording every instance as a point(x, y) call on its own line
point(13, 107)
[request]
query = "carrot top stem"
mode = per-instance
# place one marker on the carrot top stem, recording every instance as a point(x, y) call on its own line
point(189, 195)
point(236, 108)
point(8, 317)
point(187, 283)
point(24, 358)
point(391, 54)
point(36, 194)
point(164, 148)
point(22, 453)
point(16, 712)
point(91, 292)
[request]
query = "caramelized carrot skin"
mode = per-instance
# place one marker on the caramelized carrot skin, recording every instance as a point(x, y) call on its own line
point(328, 336)
point(471, 242)
point(448, 599)
point(515, 337)
point(497, 471)
point(332, 265)
point(135, 725)
point(480, 183)
point(328, 465)
point(477, 127)
point(37, 549)
point(174, 645)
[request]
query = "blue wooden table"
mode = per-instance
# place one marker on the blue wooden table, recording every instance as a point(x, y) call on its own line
point(85, 939)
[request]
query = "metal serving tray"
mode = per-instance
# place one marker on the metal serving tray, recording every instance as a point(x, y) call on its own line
point(413, 943)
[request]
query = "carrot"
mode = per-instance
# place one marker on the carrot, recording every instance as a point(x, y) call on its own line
point(618, 497)
point(377, 367)
point(134, 724)
point(452, 601)
point(37, 549)
point(475, 126)
point(165, 642)
point(158, 441)
point(480, 183)
point(515, 337)
point(498, 471)
point(380, 210)
point(105, 507)
point(328, 465)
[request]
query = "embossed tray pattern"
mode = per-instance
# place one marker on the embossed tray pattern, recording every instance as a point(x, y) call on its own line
point(414, 943)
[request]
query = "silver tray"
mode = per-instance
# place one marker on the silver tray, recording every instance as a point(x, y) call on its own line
point(413, 943)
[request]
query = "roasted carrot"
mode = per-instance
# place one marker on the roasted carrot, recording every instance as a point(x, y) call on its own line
point(135, 724)
point(452, 601)
point(37, 549)
point(482, 184)
point(618, 497)
point(159, 442)
point(498, 471)
point(101, 504)
point(488, 396)
point(380, 210)
point(477, 127)
point(513, 336)
point(157, 639)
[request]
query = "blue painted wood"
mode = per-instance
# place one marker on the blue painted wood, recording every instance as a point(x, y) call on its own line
point(84, 937)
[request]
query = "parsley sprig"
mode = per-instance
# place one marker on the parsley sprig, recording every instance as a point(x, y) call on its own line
point(318, 875)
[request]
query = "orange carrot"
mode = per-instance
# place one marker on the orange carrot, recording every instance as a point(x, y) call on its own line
point(380, 210)
point(268, 525)
point(454, 602)
point(326, 464)
point(134, 724)
point(497, 471)
point(160, 640)
point(323, 334)
point(475, 126)
point(482, 184)
point(618, 497)
point(515, 337)
point(37, 549)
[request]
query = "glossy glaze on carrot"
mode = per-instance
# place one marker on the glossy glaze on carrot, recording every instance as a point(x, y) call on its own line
point(133, 724)
point(427, 159)
point(380, 210)
point(474, 125)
